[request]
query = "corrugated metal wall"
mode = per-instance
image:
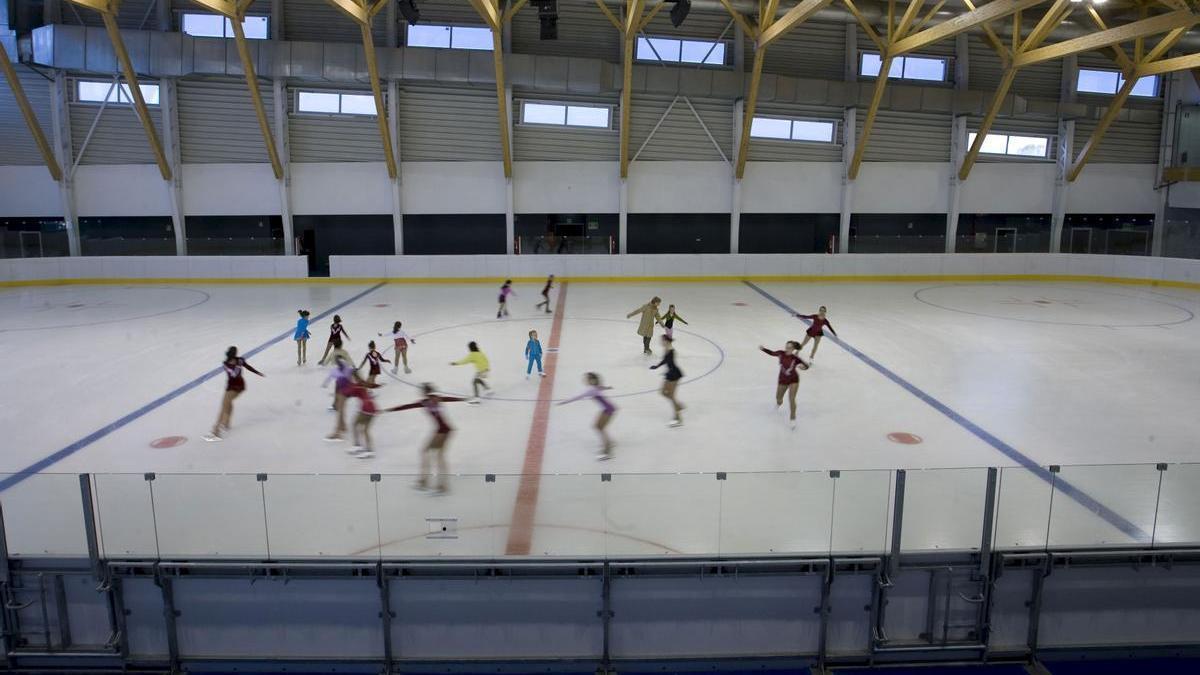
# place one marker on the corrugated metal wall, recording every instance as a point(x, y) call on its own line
point(545, 143)
point(582, 31)
point(440, 124)
point(908, 137)
point(16, 141)
point(119, 137)
point(217, 121)
point(333, 138)
point(136, 14)
point(985, 70)
point(767, 150)
point(680, 136)
point(319, 21)
point(813, 49)
point(1126, 142)
point(1034, 126)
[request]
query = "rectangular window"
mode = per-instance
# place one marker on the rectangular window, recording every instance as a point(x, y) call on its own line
point(672, 50)
point(566, 114)
point(1014, 145)
point(1109, 82)
point(335, 103)
point(923, 68)
point(91, 91)
point(200, 24)
point(449, 37)
point(813, 131)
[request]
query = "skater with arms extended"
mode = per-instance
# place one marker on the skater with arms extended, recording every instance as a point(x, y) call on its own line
point(480, 361)
point(790, 364)
point(400, 340)
point(816, 331)
point(374, 358)
point(432, 404)
point(595, 392)
point(669, 319)
point(336, 333)
point(235, 384)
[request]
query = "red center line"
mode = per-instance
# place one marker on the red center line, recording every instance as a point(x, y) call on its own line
point(520, 533)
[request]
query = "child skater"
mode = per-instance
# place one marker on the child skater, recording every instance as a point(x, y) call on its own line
point(650, 316)
point(505, 291)
point(669, 319)
point(480, 361)
point(374, 358)
point(400, 340)
point(336, 332)
point(816, 330)
point(546, 294)
point(362, 448)
point(671, 381)
point(533, 353)
point(606, 411)
point(789, 377)
point(343, 376)
point(432, 403)
point(235, 384)
point(301, 337)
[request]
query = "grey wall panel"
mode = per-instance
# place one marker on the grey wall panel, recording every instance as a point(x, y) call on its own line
point(547, 143)
point(217, 121)
point(118, 138)
point(812, 49)
point(767, 150)
point(16, 142)
point(1034, 126)
point(700, 24)
point(680, 136)
point(319, 21)
point(333, 138)
point(582, 31)
point(908, 137)
point(1126, 142)
point(443, 124)
point(985, 70)
point(135, 14)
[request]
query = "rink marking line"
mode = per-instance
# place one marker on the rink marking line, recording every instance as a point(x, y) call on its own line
point(520, 533)
point(51, 459)
point(1081, 497)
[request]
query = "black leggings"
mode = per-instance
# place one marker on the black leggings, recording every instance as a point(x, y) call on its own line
point(645, 344)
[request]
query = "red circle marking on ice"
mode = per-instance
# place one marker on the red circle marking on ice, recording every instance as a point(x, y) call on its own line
point(904, 437)
point(739, 304)
point(168, 441)
point(382, 305)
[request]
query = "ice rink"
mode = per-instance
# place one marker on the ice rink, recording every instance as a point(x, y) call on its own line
point(120, 381)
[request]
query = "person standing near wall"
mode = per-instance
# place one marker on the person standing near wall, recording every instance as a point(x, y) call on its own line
point(650, 316)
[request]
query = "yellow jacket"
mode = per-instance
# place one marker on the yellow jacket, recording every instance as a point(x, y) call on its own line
point(475, 358)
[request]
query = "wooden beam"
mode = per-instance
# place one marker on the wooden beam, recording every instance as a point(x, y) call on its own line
point(1171, 65)
point(750, 30)
point(508, 13)
point(608, 13)
point(351, 8)
point(1110, 115)
point(986, 125)
point(794, 17)
point(385, 132)
point(929, 15)
point(1053, 17)
point(135, 91)
point(1164, 45)
point(993, 39)
point(748, 107)
point(633, 17)
point(486, 10)
point(1139, 45)
point(909, 17)
point(239, 37)
point(31, 120)
point(650, 15)
point(1016, 32)
point(860, 147)
point(502, 101)
point(378, 7)
point(864, 24)
point(891, 19)
point(222, 7)
point(1118, 51)
point(634, 10)
point(997, 9)
point(1105, 38)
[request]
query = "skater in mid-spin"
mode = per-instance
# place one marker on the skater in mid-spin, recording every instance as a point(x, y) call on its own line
point(595, 392)
point(505, 291)
point(790, 364)
point(400, 340)
point(669, 319)
point(361, 428)
point(337, 331)
point(650, 316)
point(546, 294)
point(816, 330)
point(301, 337)
point(235, 384)
point(432, 403)
point(533, 354)
point(480, 361)
point(375, 359)
point(671, 380)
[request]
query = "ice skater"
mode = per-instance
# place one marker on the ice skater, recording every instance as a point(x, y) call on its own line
point(650, 316)
point(480, 361)
point(595, 392)
point(374, 358)
point(789, 376)
point(669, 319)
point(505, 291)
point(336, 332)
point(816, 330)
point(533, 354)
point(432, 403)
point(671, 380)
point(301, 337)
point(361, 428)
point(235, 384)
point(342, 375)
point(546, 294)
point(400, 340)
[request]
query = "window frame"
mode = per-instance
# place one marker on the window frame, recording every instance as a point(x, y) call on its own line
point(1051, 140)
point(1119, 82)
point(121, 98)
point(450, 43)
point(833, 138)
point(611, 109)
point(947, 67)
point(226, 22)
point(726, 46)
point(334, 92)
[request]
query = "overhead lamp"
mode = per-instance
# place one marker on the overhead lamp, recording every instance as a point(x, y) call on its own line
point(680, 11)
point(548, 19)
point(408, 9)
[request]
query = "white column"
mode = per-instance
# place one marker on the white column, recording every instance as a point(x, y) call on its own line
point(393, 103)
point(163, 15)
point(958, 150)
point(1066, 135)
point(283, 147)
point(510, 229)
point(277, 19)
point(63, 152)
point(851, 73)
point(623, 217)
point(169, 104)
point(849, 131)
point(735, 209)
point(962, 62)
point(1172, 97)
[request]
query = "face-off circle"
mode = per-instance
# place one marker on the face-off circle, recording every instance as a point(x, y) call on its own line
point(903, 437)
point(168, 442)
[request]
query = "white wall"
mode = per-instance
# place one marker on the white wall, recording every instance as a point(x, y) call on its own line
point(1114, 188)
point(792, 187)
point(28, 191)
point(902, 187)
point(1002, 187)
point(680, 187)
point(230, 190)
point(453, 187)
point(155, 267)
point(566, 187)
point(121, 190)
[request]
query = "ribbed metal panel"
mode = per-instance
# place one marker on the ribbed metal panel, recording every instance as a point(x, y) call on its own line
point(908, 137)
point(135, 14)
point(119, 137)
point(319, 21)
point(985, 70)
point(1125, 142)
point(942, 48)
point(442, 124)
point(217, 121)
point(333, 138)
point(546, 143)
point(1033, 126)
point(768, 150)
point(812, 50)
point(260, 7)
point(15, 139)
point(1101, 60)
point(699, 24)
point(582, 31)
point(680, 136)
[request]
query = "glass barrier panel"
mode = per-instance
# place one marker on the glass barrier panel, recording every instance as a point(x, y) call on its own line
point(125, 515)
point(567, 520)
point(1022, 508)
point(1103, 506)
point(661, 514)
point(898, 244)
point(210, 515)
point(790, 512)
point(1178, 521)
point(469, 519)
point(43, 515)
point(943, 509)
point(862, 507)
point(323, 515)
